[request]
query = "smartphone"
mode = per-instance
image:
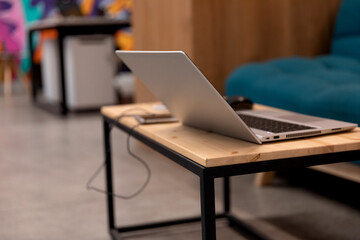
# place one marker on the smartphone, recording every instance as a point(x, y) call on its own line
point(156, 118)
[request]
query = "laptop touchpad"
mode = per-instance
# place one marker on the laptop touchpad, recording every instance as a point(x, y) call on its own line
point(300, 118)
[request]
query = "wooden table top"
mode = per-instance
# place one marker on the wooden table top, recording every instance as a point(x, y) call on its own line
point(75, 21)
point(211, 149)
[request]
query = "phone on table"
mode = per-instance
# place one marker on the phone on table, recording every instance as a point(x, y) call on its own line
point(155, 118)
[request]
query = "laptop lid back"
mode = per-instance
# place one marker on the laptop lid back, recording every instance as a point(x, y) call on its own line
point(177, 82)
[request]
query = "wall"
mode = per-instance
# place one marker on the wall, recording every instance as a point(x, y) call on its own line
point(16, 16)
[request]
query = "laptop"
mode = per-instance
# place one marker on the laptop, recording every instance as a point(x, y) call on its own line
point(190, 97)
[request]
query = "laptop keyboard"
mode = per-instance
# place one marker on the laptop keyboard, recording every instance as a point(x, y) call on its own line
point(270, 125)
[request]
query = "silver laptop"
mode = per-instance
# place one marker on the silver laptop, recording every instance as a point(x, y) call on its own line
point(178, 83)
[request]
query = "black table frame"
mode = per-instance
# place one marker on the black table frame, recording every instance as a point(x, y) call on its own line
point(64, 30)
point(207, 176)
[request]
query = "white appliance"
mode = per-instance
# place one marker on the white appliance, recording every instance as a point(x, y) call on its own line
point(50, 69)
point(89, 71)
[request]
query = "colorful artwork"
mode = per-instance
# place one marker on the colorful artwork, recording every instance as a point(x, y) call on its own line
point(48, 7)
point(16, 15)
point(120, 8)
point(12, 27)
point(90, 7)
point(112, 8)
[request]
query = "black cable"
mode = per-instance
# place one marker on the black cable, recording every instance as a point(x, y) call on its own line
point(102, 166)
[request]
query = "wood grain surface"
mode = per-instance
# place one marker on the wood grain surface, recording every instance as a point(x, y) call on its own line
point(211, 149)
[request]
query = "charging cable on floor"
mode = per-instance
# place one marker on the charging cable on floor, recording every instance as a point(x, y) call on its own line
point(139, 159)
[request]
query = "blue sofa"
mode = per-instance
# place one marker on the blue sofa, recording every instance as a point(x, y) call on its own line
point(327, 86)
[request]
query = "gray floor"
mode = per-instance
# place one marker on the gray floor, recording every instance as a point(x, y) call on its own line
point(46, 160)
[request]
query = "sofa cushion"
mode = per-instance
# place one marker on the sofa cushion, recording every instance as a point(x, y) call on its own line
point(327, 86)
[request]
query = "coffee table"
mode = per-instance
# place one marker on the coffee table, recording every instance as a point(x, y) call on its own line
point(210, 155)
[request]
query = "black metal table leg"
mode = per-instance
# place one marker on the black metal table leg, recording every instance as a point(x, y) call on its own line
point(207, 207)
point(63, 104)
point(31, 48)
point(108, 168)
point(227, 195)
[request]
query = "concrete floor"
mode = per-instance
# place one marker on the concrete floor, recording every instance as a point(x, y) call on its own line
point(46, 160)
